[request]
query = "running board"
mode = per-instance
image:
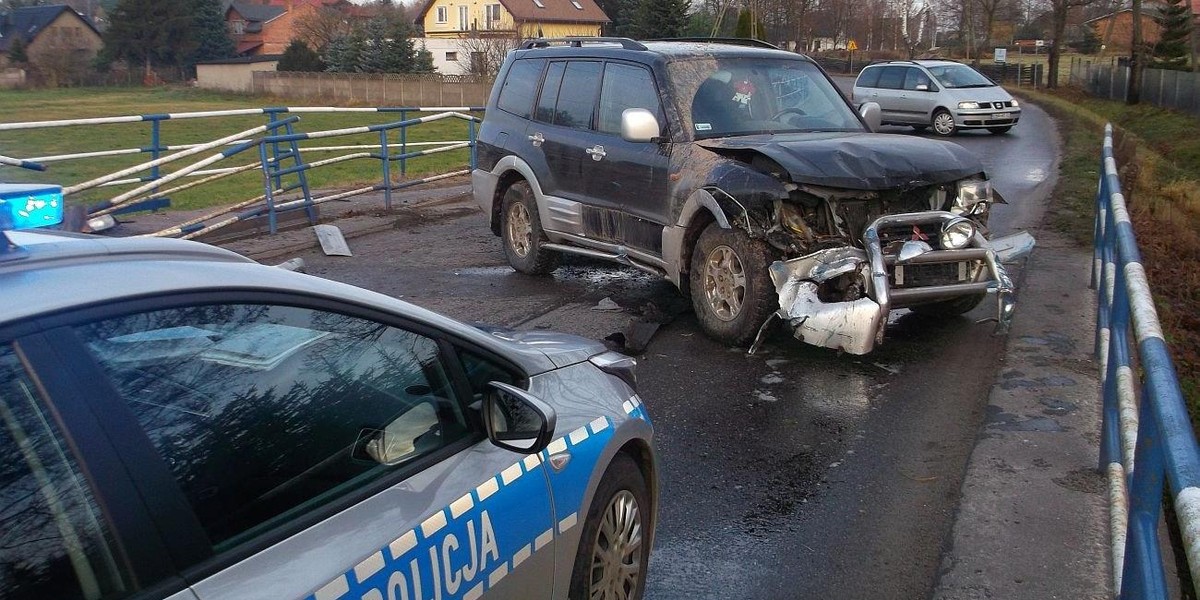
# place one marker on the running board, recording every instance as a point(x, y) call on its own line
point(619, 258)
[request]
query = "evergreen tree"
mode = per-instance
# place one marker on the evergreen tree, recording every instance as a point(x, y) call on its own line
point(620, 13)
point(660, 18)
point(211, 40)
point(1172, 49)
point(150, 32)
point(376, 56)
point(423, 60)
point(299, 57)
point(342, 54)
point(745, 28)
point(16, 51)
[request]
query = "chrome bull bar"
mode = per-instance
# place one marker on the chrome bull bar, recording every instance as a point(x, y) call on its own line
point(857, 326)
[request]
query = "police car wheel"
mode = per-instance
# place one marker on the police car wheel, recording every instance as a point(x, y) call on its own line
point(614, 549)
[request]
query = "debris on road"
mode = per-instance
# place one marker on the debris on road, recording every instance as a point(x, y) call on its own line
point(294, 264)
point(607, 304)
point(331, 240)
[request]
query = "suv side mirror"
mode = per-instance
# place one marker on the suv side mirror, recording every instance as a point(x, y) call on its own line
point(517, 420)
point(872, 114)
point(639, 125)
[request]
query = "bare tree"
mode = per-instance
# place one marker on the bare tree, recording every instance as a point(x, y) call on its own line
point(320, 27)
point(1060, 9)
point(485, 54)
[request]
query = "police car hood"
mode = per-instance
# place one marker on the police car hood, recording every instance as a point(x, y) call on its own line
point(859, 161)
point(561, 348)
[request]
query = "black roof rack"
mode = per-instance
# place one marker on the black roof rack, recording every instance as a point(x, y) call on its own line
point(753, 43)
point(578, 42)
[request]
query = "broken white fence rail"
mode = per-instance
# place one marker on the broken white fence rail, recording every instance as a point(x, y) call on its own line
point(1147, 435)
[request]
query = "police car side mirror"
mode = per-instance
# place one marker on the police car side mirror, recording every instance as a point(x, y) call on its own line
point(517, 420)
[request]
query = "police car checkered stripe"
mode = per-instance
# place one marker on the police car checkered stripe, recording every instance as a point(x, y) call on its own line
point(351, 584)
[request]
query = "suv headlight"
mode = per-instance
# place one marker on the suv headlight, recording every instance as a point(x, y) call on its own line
point(973, 196)
point(957, 233)
point(968, 105)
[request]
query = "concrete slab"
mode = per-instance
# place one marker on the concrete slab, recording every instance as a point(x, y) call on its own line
point(1033, 518)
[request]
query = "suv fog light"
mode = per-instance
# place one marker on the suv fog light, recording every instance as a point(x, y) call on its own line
point(957, 234)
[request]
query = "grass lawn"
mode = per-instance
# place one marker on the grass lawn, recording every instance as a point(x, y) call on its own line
point(1159, 156)
point(42, 105)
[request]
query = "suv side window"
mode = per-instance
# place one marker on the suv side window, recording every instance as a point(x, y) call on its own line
point(916, 77)
point(520, 87)
point(869, 77)
point(549, 97)
point(54, 541)
point(577, 96)
point(264, 413)
point(626, 86)
point(892, 78)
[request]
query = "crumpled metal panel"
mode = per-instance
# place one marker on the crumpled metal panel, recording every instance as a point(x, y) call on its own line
point(847, 326)
point(861, 161)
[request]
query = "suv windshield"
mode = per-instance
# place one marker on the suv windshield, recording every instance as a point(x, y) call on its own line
point(959, 76)
point(742, 96)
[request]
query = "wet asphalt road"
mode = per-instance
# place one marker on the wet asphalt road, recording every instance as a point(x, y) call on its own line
point(793, 473)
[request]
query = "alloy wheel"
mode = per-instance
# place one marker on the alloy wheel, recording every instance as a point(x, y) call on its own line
point(520, 232)
point(616, 556)
point(724, 283)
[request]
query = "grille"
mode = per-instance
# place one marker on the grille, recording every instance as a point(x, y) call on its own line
point(898, 234)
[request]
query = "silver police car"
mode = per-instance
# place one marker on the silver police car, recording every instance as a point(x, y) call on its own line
point(177, 421)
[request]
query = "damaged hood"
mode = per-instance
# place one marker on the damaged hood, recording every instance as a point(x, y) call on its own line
point(562, 349)
point(867, 161)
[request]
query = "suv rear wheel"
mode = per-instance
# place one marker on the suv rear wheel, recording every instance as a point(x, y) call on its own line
point(522, 232)
point(731, 290)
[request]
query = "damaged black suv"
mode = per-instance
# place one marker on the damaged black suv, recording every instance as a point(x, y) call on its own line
point(740, 173)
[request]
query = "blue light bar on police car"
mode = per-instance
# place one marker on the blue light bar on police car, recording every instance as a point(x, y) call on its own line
point(29, 205)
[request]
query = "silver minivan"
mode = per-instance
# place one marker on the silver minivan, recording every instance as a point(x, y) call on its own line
point(945, 95)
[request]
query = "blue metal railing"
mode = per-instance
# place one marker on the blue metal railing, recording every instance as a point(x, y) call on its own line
point(277, 145)
point(1146, 441)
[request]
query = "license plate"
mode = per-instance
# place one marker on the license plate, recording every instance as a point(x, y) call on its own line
point(1000, 116)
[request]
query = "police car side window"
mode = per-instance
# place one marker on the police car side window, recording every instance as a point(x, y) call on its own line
point(481, 370)
point(54, 542)
point(264, 413)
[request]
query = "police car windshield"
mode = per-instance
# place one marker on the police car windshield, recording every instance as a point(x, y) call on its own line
point(959, 76)
point(743, 96)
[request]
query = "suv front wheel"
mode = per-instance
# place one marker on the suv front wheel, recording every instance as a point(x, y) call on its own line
point(521, 230)
point(732, 292)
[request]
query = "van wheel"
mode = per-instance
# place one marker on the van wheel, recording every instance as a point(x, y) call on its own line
point(943, 122)
point(732, 292)
point(521, 230)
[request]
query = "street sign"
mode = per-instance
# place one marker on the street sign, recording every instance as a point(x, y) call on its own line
point(852, 46)
point(1001, 55)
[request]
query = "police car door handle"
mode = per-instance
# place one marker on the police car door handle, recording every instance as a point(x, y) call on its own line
point(538, 139)
point(597, 152)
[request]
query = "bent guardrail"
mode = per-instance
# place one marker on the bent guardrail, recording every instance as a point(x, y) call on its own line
point(278, 158)
point(1142, 442)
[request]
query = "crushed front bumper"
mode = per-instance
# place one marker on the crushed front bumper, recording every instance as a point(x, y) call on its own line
point(857, 326)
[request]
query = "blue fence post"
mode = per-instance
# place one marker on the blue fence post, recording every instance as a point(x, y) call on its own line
point(403, 144)
point(385, 157)
point(155, 148)
point(268, 185)
point(1143, 575)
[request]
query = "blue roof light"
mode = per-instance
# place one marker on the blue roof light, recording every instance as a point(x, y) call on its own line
point(26, 206)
